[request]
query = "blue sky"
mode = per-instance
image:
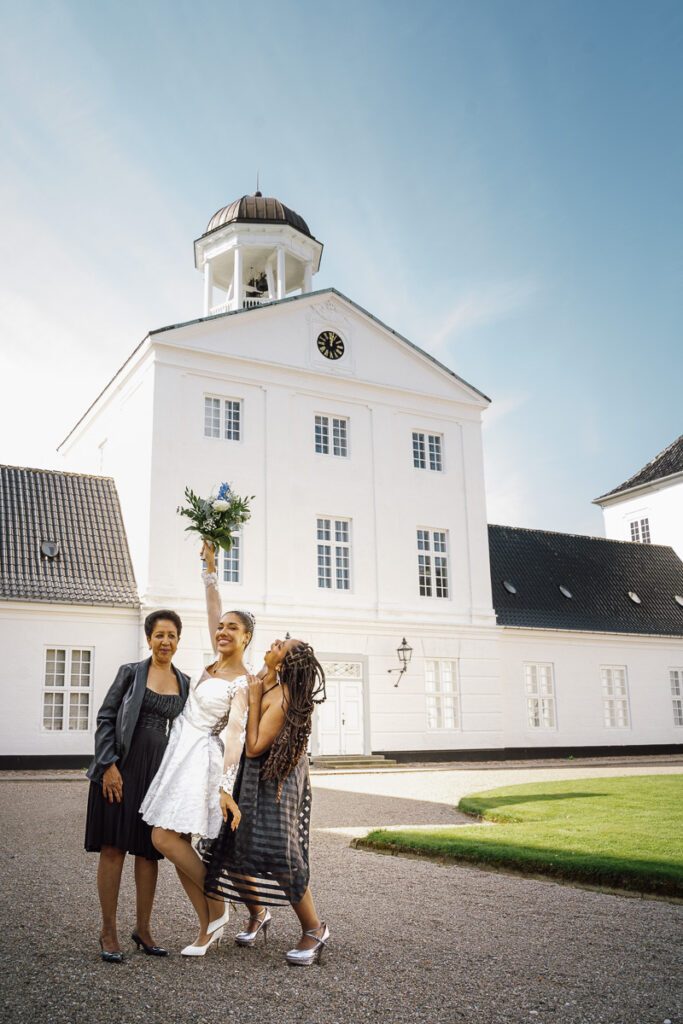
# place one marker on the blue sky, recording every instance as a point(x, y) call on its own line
point(498, 181)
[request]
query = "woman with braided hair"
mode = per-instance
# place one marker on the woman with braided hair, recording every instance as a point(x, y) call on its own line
point(264, 862)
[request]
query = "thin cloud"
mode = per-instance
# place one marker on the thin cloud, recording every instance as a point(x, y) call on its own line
point(480, 307)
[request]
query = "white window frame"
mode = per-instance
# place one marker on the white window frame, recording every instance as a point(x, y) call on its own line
point(431, 561)
point(676, 684)
point(235, 554)
point(226, 411)
point(615, 705)
point(540, 695)
point(67, 689)
point(640, 530)
point(428, 451)
point(327, 435)
point(442, 694)
point(335, 551)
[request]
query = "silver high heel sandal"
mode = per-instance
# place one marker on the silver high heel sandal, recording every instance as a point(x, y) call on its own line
point(306, 957)
point(247, 938)
point(201, 950)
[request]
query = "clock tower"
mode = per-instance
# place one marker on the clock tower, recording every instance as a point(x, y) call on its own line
point(255, 250)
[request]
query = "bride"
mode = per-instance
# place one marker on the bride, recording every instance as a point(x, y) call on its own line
point(192, 790)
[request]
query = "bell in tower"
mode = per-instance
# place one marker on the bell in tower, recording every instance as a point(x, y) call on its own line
point(254, 251)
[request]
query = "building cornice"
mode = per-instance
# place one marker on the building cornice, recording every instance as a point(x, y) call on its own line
point(630, 492)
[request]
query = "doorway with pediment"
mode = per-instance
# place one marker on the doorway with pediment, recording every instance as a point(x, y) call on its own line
point(340, 723)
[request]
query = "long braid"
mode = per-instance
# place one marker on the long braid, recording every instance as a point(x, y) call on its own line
point(302, 676)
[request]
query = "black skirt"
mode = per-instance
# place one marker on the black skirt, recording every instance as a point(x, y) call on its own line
point(265, 860)
point(121, 825)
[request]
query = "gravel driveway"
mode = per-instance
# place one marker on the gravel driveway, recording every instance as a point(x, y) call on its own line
point(412, 941)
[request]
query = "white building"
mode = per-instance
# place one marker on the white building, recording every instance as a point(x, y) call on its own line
point(369, 523)
point(648, 507)
point(69, 611)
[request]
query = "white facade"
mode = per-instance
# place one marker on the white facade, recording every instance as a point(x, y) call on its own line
point(148, 432)
point(33, 726)
point(585, 706)
point(659, 505)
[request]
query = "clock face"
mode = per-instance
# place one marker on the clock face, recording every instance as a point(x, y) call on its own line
point(331, 345)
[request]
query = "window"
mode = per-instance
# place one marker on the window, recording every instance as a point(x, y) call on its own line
point(427, 451)
point(334, 554)
point(432, 563)
point(676, 679)
point(540, 695)
point(615, 696)
point(441, 684)
point(66, 694)
point(640, 531)
point(334, 429)
point(222, 418)
point(232, 560)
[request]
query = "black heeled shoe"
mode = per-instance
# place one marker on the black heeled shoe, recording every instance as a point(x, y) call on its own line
point(110, 958)
point(149, 950)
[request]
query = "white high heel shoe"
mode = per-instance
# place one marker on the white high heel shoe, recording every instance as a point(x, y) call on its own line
point(220, 922)
point(201, 950)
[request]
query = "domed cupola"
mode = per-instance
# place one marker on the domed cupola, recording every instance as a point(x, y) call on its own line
point(255, 250)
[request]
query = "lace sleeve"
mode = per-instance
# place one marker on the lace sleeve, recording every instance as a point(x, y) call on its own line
point(233, 738)
point(213, 603)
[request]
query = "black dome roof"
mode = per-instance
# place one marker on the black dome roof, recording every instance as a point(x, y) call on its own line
point(257, 208)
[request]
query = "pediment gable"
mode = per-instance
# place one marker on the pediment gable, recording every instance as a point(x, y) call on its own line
point(286, 333)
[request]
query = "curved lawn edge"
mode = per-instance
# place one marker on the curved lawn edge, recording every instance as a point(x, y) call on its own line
point(618, 833)
point(613, 876)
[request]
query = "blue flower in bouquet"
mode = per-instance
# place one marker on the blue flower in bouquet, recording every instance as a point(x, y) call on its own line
point(216, 518)
point(222, 500)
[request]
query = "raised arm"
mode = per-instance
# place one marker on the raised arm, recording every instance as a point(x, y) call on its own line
point(213, 597)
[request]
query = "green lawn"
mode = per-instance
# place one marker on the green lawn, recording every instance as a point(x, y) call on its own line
point(622, 833)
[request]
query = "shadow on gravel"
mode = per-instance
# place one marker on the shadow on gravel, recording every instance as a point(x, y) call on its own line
point(334, 808)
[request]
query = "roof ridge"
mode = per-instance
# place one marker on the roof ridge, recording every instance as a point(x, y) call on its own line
point(583, 536)
point(57, 472)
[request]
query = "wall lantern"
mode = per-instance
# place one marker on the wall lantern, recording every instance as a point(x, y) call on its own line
point(404, 653)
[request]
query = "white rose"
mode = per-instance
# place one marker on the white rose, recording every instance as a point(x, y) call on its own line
point(221, 506)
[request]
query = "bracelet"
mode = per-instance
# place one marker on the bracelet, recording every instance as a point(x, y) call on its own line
point(210, 578)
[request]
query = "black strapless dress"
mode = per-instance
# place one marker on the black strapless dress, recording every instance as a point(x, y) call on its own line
point(121, 825)
point(265, 860)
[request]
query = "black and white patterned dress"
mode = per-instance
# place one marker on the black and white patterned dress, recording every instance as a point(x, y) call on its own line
point(265, 860)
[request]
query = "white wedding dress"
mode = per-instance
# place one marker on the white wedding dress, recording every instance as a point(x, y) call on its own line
point(184, 794)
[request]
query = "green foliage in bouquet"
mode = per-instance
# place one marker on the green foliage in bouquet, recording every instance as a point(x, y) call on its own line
point(216, 518)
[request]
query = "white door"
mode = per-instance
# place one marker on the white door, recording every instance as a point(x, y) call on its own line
point(340, 717)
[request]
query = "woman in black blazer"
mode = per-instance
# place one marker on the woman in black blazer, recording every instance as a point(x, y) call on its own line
point(132, 731)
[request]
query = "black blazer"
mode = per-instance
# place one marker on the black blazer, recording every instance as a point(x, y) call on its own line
point(118, 716)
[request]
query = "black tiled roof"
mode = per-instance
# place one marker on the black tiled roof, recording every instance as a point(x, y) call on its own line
point(79, 513)
point(667, 463)
point(598, 573)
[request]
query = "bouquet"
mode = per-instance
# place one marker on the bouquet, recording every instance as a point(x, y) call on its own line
point(216, 518)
